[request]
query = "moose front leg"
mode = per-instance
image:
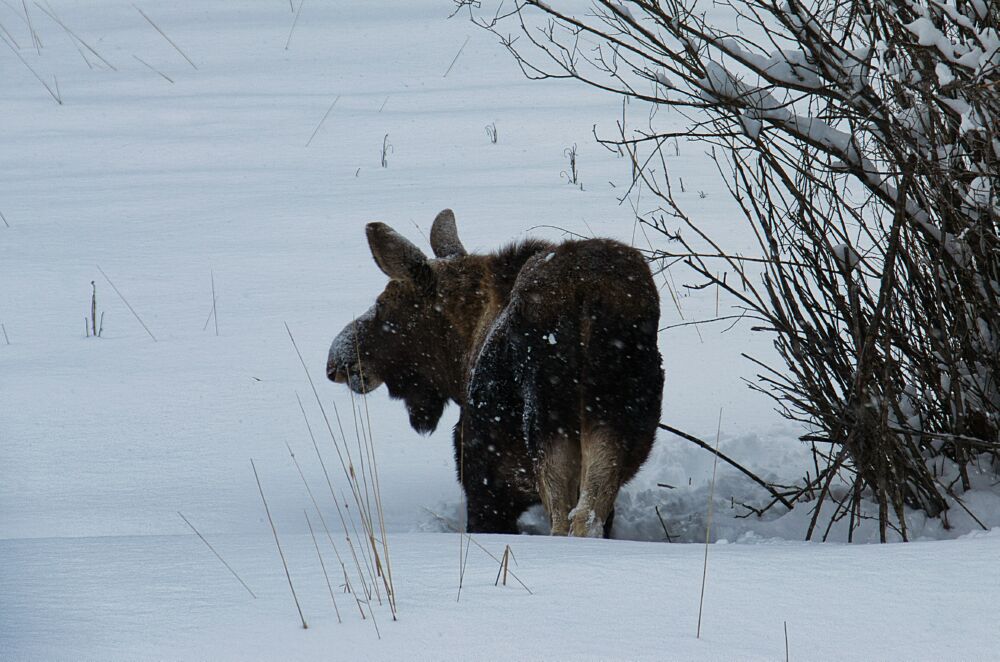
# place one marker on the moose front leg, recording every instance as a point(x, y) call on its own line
point(488, 513)
point(493, 500)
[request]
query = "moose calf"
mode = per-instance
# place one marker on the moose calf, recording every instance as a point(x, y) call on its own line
point(548, 349)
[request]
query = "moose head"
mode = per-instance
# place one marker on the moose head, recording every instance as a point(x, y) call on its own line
point(415, 338)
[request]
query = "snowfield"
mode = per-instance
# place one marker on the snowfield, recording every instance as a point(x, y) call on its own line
point(165, 597)
point(257, 167)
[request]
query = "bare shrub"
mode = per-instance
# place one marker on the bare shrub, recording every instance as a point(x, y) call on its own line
point(859, 138)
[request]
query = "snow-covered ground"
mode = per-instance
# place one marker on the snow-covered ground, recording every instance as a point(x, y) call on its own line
point(231, 172)
point(165, 597)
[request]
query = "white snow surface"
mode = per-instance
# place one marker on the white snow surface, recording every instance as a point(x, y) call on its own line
point(166, 186)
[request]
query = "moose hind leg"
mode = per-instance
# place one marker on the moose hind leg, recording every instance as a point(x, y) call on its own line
point(602, 457)
point(559, 481)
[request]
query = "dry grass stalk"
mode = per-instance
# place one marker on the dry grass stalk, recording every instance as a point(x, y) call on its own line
point(152, 68)
point(277, 542)
point(347, 581)
point(456, 57)
point(9, 36)
point(217, 555)
point(387, 149)
point(164, 35)
point(366, 585)
point(294, 23)
point(475, 542)
point(34, 35)
point(211, 312)
point(322, 565)
point(708, 524)
point(377, 495)
point(340, 513)
point(127, 304)
point(215, 313)
point(504, 565)
point(325, 115)
point(348, 466)
point(462, 559)
point(75, 36)
point(371, 557)
point(463, 563)
point(54, 94)
point(93, 307)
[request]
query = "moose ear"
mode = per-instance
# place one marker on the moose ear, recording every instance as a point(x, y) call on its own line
point(444, 236)
point(394, 254)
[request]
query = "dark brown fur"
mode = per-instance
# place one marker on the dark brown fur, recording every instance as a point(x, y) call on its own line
point(549, 351)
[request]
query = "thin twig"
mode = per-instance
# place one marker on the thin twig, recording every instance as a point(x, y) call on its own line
point(164, 35)
point(725, 458)
point(4, 219)
point(662, 523)
point(656, 254)
point(707, 321)
point(217, 555)
point(325, 115)
point(5, 337)
point(267, 510)
point(127, 304)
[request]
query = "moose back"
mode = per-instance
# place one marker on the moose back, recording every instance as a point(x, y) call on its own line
point(548, 349)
